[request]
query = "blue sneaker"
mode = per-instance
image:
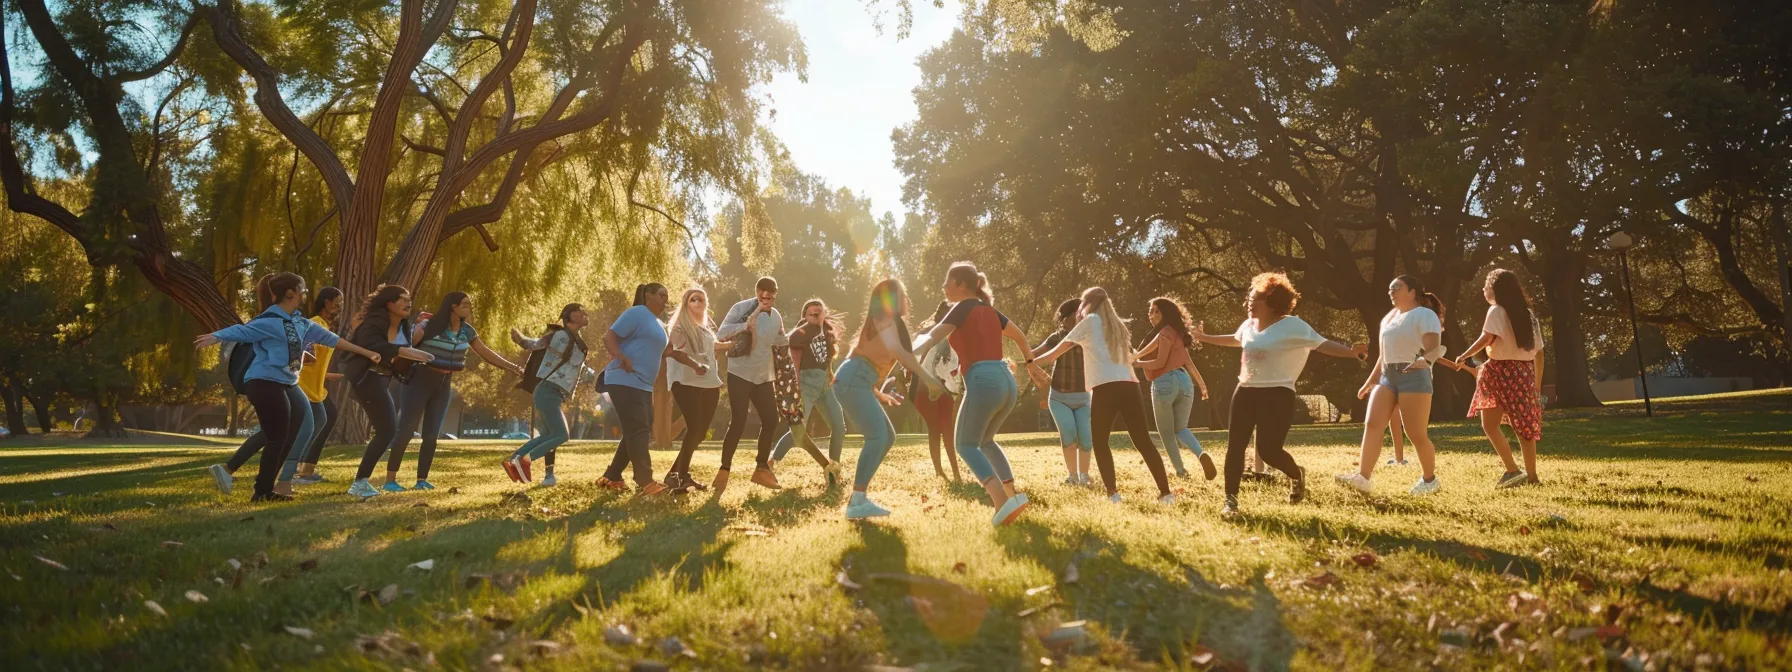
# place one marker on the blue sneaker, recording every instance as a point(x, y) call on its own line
point(308, 479)
point(861, 507)
point(422, 485)
point(393, 486)
point(363, 489)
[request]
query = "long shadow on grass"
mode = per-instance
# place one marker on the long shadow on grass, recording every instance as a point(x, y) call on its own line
point(1158, 617)
point(924, 619)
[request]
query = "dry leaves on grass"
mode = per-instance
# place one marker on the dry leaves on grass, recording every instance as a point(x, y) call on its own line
point(172, 544)
point(307, 564)
point(52, 563)
point(155, 608)
point(846, 581)
point(422, 565)
point(753, 530)
point(196, 597)
point(1365, 560)
point(1319, 581)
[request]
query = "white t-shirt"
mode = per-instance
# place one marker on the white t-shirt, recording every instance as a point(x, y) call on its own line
point(1274, 357)
point(1506, 346)
point(1403, 334)
point(701, 347)
point(1098, 366)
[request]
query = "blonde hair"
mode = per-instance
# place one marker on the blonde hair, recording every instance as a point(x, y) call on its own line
point(683, 320)
point(1096, 302)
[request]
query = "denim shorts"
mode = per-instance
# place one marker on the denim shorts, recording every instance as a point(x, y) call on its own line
point(1395, 377)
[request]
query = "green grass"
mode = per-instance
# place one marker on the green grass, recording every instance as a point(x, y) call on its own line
point(1674, 531)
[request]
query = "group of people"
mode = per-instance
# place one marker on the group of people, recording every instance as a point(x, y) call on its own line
point(961, 381)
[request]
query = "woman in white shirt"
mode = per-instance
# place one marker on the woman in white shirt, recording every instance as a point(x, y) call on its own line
point(1411, 337)
point(1508, 386)
point(695, 380)
point(1275, 347)
point(1114, 392)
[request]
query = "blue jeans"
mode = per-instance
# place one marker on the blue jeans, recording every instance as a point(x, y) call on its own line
point(1070, 410)
point(548, 399)
point(854, 384)
point(1172, 395)
point(1395, 377)
point(818, 390)
point(315, 421)
point(990, 394)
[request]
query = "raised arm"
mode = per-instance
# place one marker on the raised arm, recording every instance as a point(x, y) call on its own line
point(493, 358)
point(525, 342)
point(1200, 334)
point(938, 334)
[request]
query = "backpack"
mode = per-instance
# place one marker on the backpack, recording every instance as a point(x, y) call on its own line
point(530, 379)
point(242, 355)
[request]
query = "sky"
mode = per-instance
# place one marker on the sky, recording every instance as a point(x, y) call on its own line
point(837, 125)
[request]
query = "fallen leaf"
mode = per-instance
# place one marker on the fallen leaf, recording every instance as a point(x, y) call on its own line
point(923, 499)
point(172, 544)
point(1751, 479)
point(420, 505)
point(752, 530)
point(301, 633)
point(1477, 554)
point(389, 593)
point(424, 565)
point(845, 581)
point(1034, 610)
point(1035, 590)
point(619, 635)
point(1201, 656)
point(196, 597)
point(960, 568)
point(673, 646)
point(1066, 636)
point(155, 608)
point(1365, 559)
point(234, 563)
point(307, 564)
point(1322, 580)
point(245, 520)
point(52, 563)
point(455, 491)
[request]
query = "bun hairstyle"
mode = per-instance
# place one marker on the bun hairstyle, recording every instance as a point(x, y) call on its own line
point(1175, 318)
point(322, 298)
point(271, 288)
point(1096, 302)
point(1277, 291)
point(1067, 309)
point(641, 292)
point(965, 273)
point(1508, 294)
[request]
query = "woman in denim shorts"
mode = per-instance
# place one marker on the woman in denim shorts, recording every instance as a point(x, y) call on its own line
point(1411, 337)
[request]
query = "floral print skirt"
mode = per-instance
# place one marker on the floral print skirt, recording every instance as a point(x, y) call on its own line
point(1510, 385)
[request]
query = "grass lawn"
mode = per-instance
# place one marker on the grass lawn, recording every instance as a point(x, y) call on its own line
point(1652, 544)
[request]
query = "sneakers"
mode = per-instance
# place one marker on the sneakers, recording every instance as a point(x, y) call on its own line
point(522, 469)
point(604, 483)
point(1114, 498)
point(1396, 463)
point(1086, 480)
point(361, 488)
point(1207, 467)
point(1169, 499)
point(1298, 491)
point(764, 477)
point(393, 486)
point(1424, 487)
point(423, 485)
point(1356, 480)
point(1181, 473)
point(1073, 480)
point(1011, 509)
point(221, 477)
point(269, 497)
point(1511, 479)
point(549, 481)
point(510, 468)
point(861, 507)
point(1229, 511)
point(308, 479)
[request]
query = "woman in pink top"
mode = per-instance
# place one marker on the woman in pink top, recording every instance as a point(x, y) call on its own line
point(1173, 379)
point(1507, 387)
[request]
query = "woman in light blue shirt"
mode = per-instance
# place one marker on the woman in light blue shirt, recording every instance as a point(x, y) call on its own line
point(637, 340)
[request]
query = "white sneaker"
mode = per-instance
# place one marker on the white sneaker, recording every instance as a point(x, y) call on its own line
point(1010, 509)
point(549, 481)
point(1087, 481)
point(1115, 498)
point(221, 477)
point(361, 488)
point(860, 507)
point(1356, 480)
point(1168, 499)
point(1424, 487)
point(1072, 480)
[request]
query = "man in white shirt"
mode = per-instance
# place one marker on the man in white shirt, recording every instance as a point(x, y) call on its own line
point(750, 377)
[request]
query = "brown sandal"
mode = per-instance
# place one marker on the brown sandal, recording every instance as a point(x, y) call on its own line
point(765, 477)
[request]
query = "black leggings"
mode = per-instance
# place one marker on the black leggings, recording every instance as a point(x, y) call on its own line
point(423, 404)
point(698, 404)
point(741, 393)
point(321, 434)
point(1268, 410)
point(373, 391)
point(278, 414)
point(635, 408)
point(1122, 398)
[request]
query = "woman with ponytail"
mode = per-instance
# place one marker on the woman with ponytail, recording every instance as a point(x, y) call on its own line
point(1114, 392)
point(279, 335)
point(975, 329)
point(1509, 386)
point(448, 335)
point(883, 342)
point(1411, 340)
point(1174, 379)
point(1396, 425)
point(563, 358)
point(815, 340)
point(636, 341)
point(382, 326)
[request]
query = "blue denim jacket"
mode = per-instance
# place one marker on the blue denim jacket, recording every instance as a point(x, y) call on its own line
point(268, 337)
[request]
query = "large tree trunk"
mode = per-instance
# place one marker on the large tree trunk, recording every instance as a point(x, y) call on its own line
point(40, 406)
point(1564, 270)
point(15, 409)
point(105, 417)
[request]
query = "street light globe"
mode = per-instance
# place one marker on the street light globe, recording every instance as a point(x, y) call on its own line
point(1619, 241)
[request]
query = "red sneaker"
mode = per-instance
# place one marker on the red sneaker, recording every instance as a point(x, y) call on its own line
point(510, 468)
point(607, 484)
point(522, 465)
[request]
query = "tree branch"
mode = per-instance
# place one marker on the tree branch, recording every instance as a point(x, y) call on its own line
point(180, 45)
point(20, 196)
point(522, 16)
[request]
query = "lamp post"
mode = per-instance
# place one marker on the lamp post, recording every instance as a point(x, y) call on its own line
point(1621, 243)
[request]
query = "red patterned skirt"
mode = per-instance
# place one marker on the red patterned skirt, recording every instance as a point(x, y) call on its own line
point(1510, 385)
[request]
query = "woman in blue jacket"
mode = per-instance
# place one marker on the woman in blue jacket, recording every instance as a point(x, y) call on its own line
point(279, 335)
